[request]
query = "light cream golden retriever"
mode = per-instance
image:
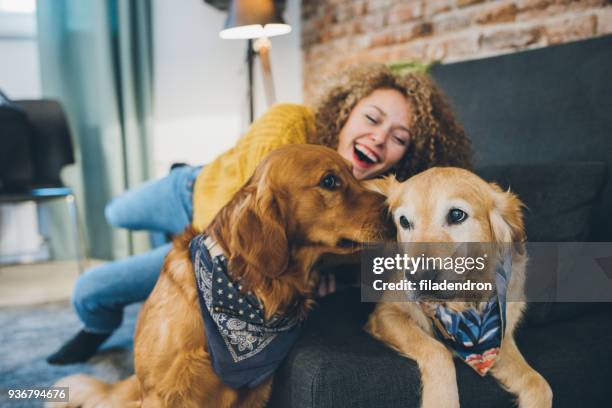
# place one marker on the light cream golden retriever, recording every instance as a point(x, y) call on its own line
point(451, 205)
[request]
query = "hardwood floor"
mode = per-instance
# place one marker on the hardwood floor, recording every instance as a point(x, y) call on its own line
point(45, 282)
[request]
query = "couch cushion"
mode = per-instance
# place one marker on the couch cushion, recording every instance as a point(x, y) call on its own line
point(559, 196)
point(336, 364)
point(549, 104)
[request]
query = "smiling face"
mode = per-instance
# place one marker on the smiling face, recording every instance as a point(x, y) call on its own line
point(376, 134)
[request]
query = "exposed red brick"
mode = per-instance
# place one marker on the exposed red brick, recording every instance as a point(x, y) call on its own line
point(379, 55)
point(371, 23)
point(604, 21)
point(534, 9)
point(346, 29)
point(309, 39)
point(360, 8)
point(395, 54)
point(501, 12)
point(463, 3)
point(433, 7)
point(318, 51)
point(383, 38)
point(325, 36)
point(339, 33)
point(405, 11)
point(357, 27)
point(461, 45)
point(414, 51)
point(571, 29)
point(586, 4)
point(309, 9)
point(408, 32)
point(452, 21)
point(344, 12)
point(330, 2)
point(357, 42)
point(375, 5)
point(510, 38)
point(435, 51)
point(533, 4)
point(539, 13)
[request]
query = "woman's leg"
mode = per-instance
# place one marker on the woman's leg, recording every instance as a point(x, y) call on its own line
point(163, 205)
point(100, 295)
point(102, 292)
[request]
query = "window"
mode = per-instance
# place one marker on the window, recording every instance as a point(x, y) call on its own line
point(17, 19)
point(17, 6)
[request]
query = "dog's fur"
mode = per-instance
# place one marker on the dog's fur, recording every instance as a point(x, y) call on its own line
point(493, 216)
point(273, 231)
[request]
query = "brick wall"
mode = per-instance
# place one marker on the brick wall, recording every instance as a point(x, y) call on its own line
point(337, 33)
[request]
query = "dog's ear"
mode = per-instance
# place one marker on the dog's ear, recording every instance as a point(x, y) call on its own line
point(259, 238)
point(387, 186)
point(506, 218)
point(382, 185)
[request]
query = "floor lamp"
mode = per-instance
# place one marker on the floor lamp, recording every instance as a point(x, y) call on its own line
point(256, 21)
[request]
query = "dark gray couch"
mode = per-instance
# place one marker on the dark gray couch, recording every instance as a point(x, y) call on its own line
point(541, 122)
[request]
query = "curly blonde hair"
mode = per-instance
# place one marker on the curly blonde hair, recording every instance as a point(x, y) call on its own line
point(437, 139)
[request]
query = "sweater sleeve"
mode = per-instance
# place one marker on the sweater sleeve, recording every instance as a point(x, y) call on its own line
point(220, 180)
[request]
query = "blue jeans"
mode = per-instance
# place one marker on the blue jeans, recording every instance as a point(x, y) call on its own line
point(165, 206)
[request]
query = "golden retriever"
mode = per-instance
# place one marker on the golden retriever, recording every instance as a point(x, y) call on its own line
point(451, 205)
point(301, 202)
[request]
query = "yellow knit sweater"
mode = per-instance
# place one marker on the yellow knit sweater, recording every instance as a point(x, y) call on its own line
point(218, 181)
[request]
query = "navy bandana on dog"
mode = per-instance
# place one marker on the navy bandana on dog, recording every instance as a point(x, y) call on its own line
point(245, 349)
point(473, 335)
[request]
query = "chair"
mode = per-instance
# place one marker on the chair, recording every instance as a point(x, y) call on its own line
point(36, 144)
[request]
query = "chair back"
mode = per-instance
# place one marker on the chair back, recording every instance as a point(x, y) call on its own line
point(16, 164)
point(51, 145)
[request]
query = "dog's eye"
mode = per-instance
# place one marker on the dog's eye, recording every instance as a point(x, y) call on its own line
point(330, 182)
point(456, 216)
point(404, 222)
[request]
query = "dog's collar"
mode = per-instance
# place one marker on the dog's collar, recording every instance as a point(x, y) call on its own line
point(473, 335)
point(245, 349)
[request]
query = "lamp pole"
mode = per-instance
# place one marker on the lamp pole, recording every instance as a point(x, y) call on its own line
point(256, 20)
point(250, 58)
point(262, 47)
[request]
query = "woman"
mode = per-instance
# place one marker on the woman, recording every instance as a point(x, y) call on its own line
point(380, 121)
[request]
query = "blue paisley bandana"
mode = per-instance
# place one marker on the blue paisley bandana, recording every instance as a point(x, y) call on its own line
point(474, 335)
point(245, 349)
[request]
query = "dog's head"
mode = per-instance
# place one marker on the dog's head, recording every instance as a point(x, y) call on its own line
point(301, 202)
point(451, 206)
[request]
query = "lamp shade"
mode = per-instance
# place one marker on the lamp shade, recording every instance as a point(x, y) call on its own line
point(253, 19)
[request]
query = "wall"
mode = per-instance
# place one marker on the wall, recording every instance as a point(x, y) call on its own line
point(337, 33)
point(201, 81)
point(19, 73)
point(19, 79)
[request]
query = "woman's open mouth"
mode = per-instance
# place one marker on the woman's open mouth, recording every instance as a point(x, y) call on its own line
point(364, 157)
